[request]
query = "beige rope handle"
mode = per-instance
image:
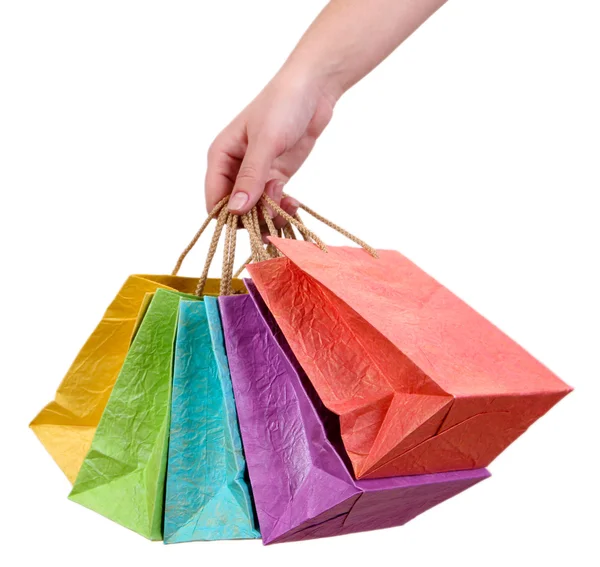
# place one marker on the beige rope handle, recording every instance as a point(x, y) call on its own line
point(268, 220)
point(301, 228)
point(258, 251)
point(255, 221)
point(230, 221)
point(239, 271)
point(221, 220)
point(288, 232)
point(297, 217)
point(271, 251)
point(250, 221)
point(253, 228)
point(339, 229)
point(229, 254)
point(211, 216)
point(248, 224)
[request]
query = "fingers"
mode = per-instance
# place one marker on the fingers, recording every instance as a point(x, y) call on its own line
point(217, 185)
point(252, 176)
point(224, 159)
point(290, 206)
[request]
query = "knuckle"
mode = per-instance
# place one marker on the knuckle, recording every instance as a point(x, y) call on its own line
point(268, 136)
point(247, 172)
point(213, 151)
point(273, 140)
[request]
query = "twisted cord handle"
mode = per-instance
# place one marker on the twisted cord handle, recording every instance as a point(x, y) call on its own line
point(250, 221)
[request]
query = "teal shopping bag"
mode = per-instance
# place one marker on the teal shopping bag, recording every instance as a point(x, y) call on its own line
point(207, 492)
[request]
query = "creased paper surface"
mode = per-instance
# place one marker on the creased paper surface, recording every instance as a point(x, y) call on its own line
point(67, 425)
point(422, 383)
point(207, 496)
point(123, 474)
point(302, 488)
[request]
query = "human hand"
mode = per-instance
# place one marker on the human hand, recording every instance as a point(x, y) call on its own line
point(272, 137)
point(267, 143)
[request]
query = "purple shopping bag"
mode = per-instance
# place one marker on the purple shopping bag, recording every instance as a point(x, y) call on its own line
point(302, 487)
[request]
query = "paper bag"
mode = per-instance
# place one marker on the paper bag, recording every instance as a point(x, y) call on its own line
point(123, 474)
point(302, 488)
point(421, 382)
point(207, 493)
point(67, 425)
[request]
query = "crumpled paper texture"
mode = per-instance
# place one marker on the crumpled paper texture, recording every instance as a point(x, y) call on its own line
point(207, 495)
point(123, 474)
point(422, 383)
point(66, 426)
point(302, 488)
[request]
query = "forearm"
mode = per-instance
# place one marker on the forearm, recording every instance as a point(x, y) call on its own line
point(269, 140)
point(351, 37)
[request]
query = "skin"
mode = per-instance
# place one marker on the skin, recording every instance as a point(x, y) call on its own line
point(264, 145)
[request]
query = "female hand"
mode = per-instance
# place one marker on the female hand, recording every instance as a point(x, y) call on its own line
point(266, 143)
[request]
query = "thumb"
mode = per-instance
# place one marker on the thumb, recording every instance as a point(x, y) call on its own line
point(252, 177)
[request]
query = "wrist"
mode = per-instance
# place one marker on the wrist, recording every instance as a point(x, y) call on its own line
point(313, 74)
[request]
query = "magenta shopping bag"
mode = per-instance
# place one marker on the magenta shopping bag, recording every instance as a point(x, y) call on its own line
point(302, 488)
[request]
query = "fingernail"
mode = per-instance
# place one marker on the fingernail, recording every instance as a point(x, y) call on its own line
point(237, 201)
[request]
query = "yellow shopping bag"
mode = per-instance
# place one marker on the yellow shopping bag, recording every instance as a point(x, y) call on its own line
point(67, 425)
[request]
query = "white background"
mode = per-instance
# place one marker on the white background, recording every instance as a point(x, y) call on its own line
point(474, 150)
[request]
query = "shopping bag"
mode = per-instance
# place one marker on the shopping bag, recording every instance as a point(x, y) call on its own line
point(302, 488)
point(67, 425)
point(207, 493)
point(421, 382)
point(123, 474)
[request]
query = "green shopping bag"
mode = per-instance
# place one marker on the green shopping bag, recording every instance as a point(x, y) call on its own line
point(123, 474)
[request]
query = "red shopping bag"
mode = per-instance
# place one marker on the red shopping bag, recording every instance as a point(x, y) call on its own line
point(421, 382)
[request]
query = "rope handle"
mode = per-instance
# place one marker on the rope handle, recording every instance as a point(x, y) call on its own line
point(250, 221)
point(192, 243)
point(297, 223)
